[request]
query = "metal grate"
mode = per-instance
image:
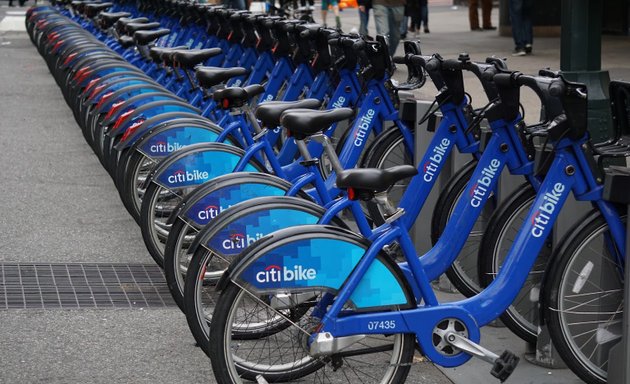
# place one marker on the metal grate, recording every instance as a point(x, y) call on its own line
point(75, 286)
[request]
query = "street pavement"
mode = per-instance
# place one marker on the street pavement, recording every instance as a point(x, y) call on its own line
point(60, 206)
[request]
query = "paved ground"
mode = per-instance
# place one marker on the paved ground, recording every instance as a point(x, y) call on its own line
point(60, 206)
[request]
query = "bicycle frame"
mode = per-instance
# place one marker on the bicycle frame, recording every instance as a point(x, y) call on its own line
point(569, 171)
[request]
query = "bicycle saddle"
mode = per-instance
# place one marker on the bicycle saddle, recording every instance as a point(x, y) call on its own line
point(157, 53)
point(145, 37)
point(306, 122)
point(269, 112)
point(188, 59)
point(109, 18)
point(126, 41)
point(123, 21)
point(210, 76)
point(93, 9)
point(236, 96)
point(132, 28)
point(367, 181)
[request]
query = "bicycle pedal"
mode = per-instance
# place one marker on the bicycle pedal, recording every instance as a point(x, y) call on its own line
point(504, 365)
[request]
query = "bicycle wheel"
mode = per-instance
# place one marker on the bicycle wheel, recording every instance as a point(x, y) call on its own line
point(386, 151)
point(463, 273)
point(583, 297)
point(131, 188)
point(219, 243)
point(159, 200)
point(223, 192)
point(283, 356)
point(522, 317)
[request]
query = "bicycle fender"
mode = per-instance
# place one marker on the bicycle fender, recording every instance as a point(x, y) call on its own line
point(221, 191)
point(166, 138)
point(197, 164)
point(239, 226)
point(319, 256)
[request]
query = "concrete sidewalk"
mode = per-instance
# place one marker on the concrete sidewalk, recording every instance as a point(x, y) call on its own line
point(60, 206)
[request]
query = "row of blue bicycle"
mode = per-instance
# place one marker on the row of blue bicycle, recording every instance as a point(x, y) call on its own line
point(274, 181)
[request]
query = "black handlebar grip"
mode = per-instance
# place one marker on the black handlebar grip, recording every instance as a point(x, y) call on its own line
point(358, 45)
point(431, 65)
point(557, 88)
point(400, 59)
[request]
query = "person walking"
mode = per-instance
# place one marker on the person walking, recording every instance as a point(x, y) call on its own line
point(364, 16)
point(335, 6)
point(388, 15)
point(418, 12)
point(486, 14)
point(521, 20)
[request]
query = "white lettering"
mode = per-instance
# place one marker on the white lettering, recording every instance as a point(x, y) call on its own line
point(481, 187)
point(364, 126)
point(438, 153)
point(182, 176)
point(543, 215)
point(274, 273)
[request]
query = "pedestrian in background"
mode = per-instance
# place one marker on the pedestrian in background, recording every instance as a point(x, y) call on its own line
point(364, 16)
point(521, 20)
point(486, 14)
point(388, 15)
point(234, 4)
point(418, 12)
point(335, 6)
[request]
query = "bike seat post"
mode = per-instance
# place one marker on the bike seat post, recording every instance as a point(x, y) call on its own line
point(193, 84)
point(382, 199)
point(330, 151)
point(303, 149)
point(249, 114)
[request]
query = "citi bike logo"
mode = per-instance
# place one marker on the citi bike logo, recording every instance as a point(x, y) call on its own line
point(439, 153)
point(364, 125)
point(240, 241)
point(269, 97)
point(183, 176)
point(339, 102)
point(480, 188)
point(543, 214)
point(164, 147)
point(275, 274)
point(209, 212)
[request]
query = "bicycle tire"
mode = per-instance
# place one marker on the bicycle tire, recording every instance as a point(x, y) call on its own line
point(179, 237)
point(227, 373)
point(573, 274)
point(209, 261)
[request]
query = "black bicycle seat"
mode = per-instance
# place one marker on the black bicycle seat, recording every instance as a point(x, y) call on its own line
point(367, 181)
point(210, 76)
point(123, 21)
point(157, 52)
point(306, 122)
point(93, 9)
point(109, 18)
point(145, 37)
point(269, 112)
point(131, 28)
point(236, 96)
point(190, 58)
point(126, 41)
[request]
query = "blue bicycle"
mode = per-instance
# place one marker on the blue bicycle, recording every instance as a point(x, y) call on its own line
point(357, 318)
